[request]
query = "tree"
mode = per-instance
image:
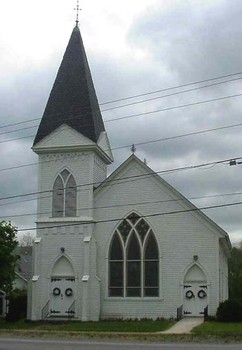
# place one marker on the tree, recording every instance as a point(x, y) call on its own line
point(27, 239)
point(8, 243)
point(235, 273)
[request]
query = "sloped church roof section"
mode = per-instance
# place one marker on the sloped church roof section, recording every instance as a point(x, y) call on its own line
point(73, 98)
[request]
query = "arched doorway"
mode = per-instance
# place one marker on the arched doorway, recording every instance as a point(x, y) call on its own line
point(62, 289)
point(195, 292)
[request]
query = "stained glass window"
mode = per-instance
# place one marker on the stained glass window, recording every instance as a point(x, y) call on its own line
point(133, 260)
point(142, 228)
point(124, 229)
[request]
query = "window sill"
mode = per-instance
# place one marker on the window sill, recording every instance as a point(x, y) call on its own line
point(137, 299)
point(66, 219)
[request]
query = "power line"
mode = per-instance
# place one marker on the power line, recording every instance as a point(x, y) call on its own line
point(174, 107)
point(140, 143)
point(150, 112)
point(131, 178)
point(25, 200)
point(125, 205)
point(18, 138)
point(130, 104)
point(171, 88)
point(152, 92)
point(141, 216)
point(23, 166)
point(191, 198)
point(179, 136)
point(169, 95)
point(17, 130)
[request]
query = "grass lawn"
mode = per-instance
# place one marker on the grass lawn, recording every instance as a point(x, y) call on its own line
point(219, 328)
point(102, 326)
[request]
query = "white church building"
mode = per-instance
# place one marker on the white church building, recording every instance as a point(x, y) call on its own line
point(124, 246)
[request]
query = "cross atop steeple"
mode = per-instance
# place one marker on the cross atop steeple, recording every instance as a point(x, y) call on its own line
point(77, 9)
point(73, 99)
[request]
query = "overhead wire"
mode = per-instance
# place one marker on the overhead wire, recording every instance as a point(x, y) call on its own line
point(130, 178)
point(169, 95)
point(190, 198)
point(146, 113)
point(189, 134)
point(90, 222)
point(139, 143)
point(155, 98)
point(133, 103)
point(174, 107)
point(171, 88)
point(126, 204)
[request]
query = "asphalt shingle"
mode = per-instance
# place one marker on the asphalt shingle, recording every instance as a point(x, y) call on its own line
point(73, 98)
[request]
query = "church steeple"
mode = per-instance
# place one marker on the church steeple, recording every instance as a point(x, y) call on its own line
point(73, 98)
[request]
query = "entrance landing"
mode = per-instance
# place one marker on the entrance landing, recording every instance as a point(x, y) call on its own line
point(185, 325)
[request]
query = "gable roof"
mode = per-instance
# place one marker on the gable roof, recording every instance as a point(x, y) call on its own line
point(73, 98)
point(149, 172)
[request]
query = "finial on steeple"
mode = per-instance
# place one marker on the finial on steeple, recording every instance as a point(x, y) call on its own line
point(133, 149)
point(77, 9)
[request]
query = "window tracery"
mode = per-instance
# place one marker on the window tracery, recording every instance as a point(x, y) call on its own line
point(133, 260)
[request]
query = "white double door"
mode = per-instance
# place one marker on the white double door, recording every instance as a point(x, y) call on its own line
point(62, 296)
point(195, 298)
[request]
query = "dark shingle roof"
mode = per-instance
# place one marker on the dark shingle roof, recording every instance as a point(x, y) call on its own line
point(73, 99)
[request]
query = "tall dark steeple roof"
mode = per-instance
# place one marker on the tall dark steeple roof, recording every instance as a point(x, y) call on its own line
point(73, 99)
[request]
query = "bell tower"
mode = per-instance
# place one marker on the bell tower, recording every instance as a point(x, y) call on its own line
point(72, 135)
point(74, 151)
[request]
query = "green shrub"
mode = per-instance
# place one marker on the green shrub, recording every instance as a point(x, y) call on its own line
point(230, 311)
point(17, 305)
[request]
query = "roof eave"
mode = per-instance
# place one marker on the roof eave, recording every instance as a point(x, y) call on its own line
point(82, 148)
point(195, 210)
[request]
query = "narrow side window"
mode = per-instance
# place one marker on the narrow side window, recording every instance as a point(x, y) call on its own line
point(116, 267)
point(58, 198)
point(64, 199)
point(70, 197)
point(151, 268)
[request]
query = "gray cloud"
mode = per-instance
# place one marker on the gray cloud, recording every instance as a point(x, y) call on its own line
point(185, 41)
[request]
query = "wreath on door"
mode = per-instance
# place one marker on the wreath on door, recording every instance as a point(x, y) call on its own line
point(68, 292)
point(189, 294)
point(201, 294)
point(56, 291)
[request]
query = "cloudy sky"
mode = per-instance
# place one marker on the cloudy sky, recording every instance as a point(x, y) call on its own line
point(134, 48)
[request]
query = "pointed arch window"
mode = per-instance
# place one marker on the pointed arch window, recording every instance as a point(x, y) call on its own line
point(64, 195)
point(133, 260)
point(116, 262)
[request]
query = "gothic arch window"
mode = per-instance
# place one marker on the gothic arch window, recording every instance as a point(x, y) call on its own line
point(64, 195)
point(133, 260)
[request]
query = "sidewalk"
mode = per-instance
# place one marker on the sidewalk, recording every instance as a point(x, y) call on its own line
point(185, 325)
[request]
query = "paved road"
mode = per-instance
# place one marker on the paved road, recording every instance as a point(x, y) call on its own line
point(30, 344)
